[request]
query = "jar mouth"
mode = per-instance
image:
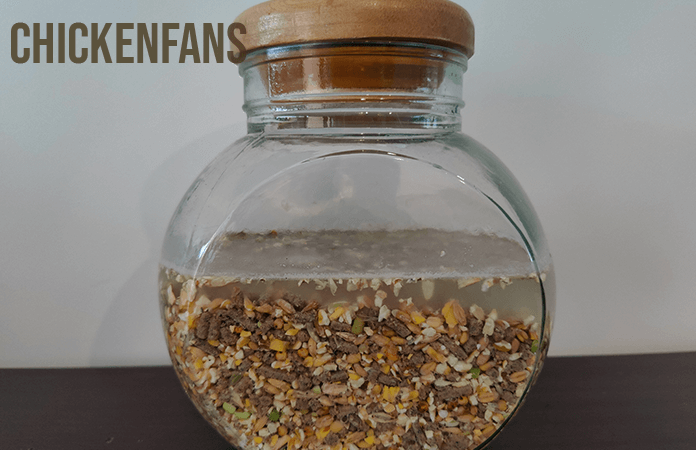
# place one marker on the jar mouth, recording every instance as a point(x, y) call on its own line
point(355, 48)
point(357, 83)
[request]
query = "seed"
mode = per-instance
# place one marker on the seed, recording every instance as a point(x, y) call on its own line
point(350, 337)
point(502, 346)
point(434, 322)
point(353, 358)
point(522, 335)
point(260, 423)
point(271, 389)
point(323, 359)
point(286, 306)
point(310, 306)
point(439, 357)
point(398, 340)
point(282, 385)
point(459, 313)
point(277, 345)
point(488, 327)
point(448, 312)
point(514, 346)
point(452, 430)
point(337, 313)
point(428, 368)
point(518, 376)
point(477, 312)
point(488, 430)
point(355, 437)
point(402, 316)
point(415, 329)
point(323, 318)
point(429, 332)
point(487, 397)
point(302, 352)
point(464, 337)
point(392, 352)
point(281, 442)
point(482, 359)
point(360, 370)
point(323, 421)
point(417, 318)
point(428, 287)
point(487, 365)
point(502, 405)
point(380, 340)
point(265, 308)
point(333, 389)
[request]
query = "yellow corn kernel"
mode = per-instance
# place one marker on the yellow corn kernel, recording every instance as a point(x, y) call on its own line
point(308, 361)
point(223, 357)
point(245, 333)
point(337, 313)
point(190, 321)
point(448, 312)
point(258, 439)
point(322, 433)
point(247, 403)
point(439, 357)
point(389, 393)
point(277, 345)
point(274, 440)
point(386, 368)
point(248, 305)
point(354, 376)
point(370, 440)
point(413, 395)
point(292, 332)
point(213, 343)
point(198, 364)
point(417, 317)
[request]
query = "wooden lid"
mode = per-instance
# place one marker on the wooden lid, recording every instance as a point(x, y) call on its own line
point(283, 22)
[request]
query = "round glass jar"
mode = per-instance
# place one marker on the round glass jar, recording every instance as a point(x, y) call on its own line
point(356, 272)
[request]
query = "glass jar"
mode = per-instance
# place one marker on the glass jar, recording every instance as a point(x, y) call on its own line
point(356, 272)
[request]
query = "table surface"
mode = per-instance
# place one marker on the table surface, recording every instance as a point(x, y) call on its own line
point(601, 402)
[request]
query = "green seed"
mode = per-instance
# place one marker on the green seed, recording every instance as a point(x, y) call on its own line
point(316, 390)
point(475, 372)
point(358, 325)
point(229, 408)
point(242, 415)
point(236, 378)
point(535, 346)
point(274, 415)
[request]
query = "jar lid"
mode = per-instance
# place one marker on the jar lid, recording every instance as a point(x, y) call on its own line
point(285, 22)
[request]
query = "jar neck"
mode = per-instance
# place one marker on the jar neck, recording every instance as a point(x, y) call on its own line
point(356, 87)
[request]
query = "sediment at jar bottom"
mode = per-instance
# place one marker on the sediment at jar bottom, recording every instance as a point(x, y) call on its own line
point(277, 370)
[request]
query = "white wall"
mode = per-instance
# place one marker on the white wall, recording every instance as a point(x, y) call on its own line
point(591, 104)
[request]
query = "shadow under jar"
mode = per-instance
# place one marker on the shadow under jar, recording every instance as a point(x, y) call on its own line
point(356, 272)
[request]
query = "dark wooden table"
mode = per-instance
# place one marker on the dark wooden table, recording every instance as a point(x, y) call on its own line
point(608, 402)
